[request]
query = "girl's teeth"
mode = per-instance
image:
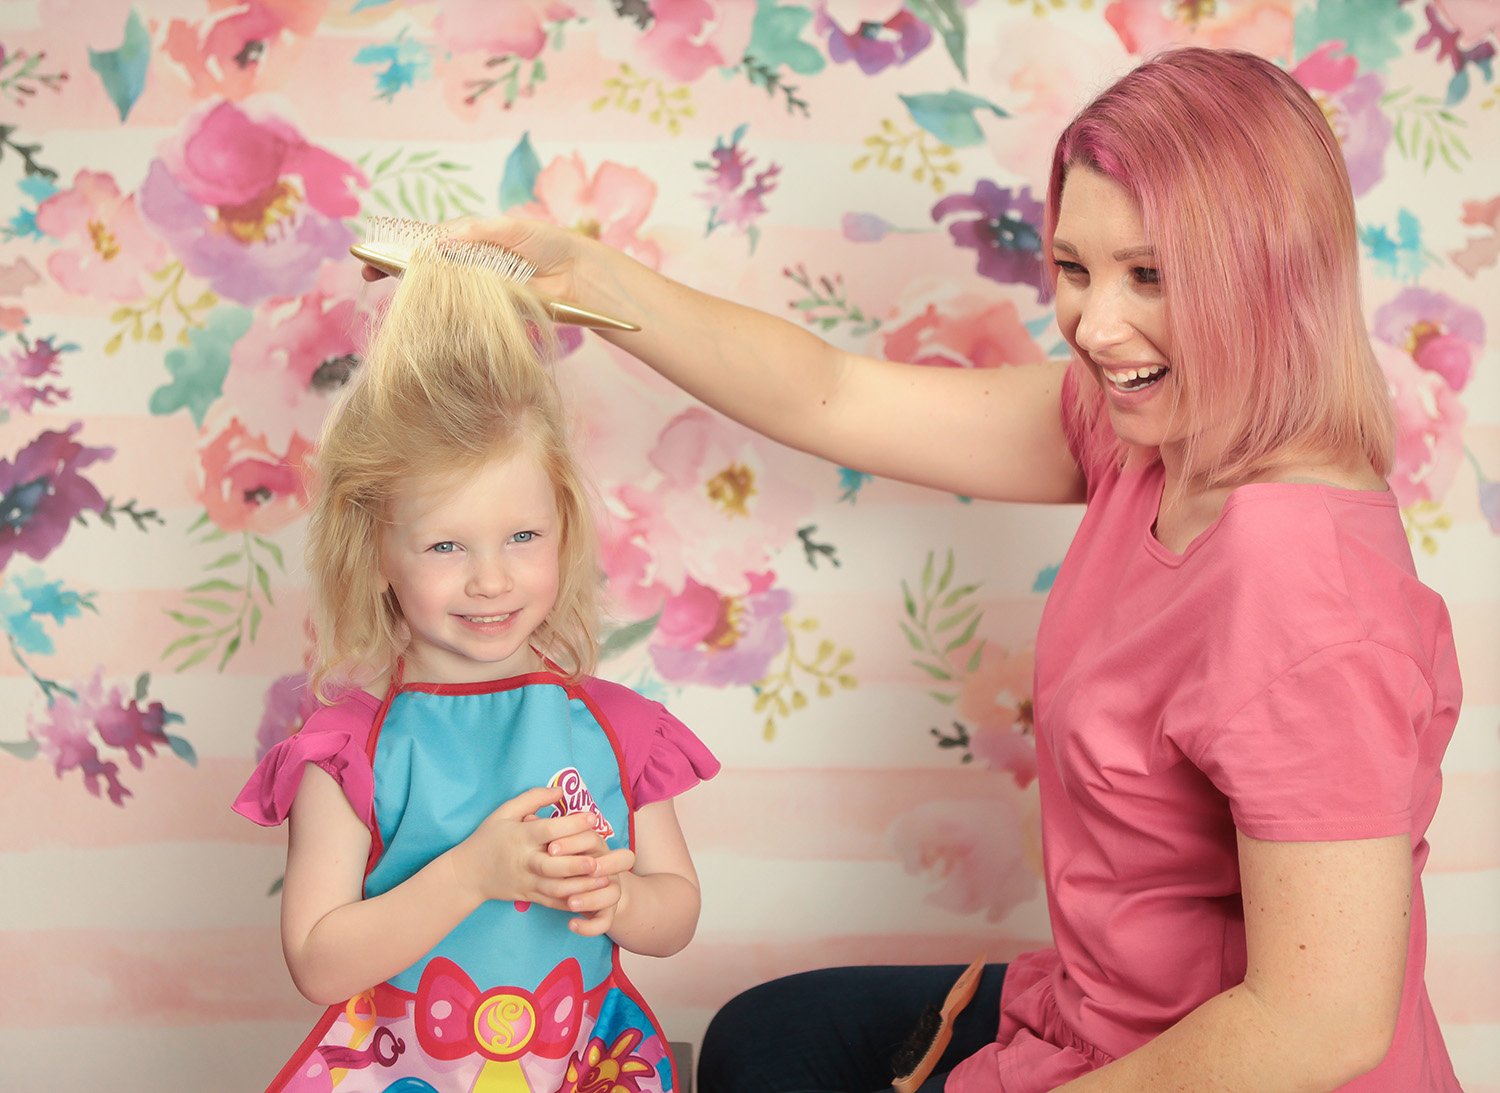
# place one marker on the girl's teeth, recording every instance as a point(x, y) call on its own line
point(487, 618)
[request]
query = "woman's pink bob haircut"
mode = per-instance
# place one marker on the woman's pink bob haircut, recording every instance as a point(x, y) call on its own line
point(1242, 191)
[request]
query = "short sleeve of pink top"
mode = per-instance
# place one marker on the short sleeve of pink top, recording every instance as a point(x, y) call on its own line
point(662, 756)
point(1286, 676)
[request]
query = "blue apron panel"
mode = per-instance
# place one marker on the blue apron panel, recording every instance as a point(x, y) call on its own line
point(443, 763)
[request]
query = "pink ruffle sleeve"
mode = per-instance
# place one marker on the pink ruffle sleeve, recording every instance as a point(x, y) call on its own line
point(334, 738)
point(663, 757)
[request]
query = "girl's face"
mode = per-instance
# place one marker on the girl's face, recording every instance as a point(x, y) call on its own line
point(473, 562)
point(1110, 307)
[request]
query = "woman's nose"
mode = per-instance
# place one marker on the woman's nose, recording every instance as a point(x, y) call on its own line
point(1102, 323)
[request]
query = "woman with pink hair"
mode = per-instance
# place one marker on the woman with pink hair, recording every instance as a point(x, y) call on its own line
point(1243, 692)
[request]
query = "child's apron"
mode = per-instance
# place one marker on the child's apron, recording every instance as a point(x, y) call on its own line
point(511, 1001)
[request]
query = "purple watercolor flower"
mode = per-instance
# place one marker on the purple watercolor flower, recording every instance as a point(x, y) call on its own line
point(1005, 232)
point(63, 738)
point(21, 372)
point(729, 171)
point(247, 203)
point(1351, 103)
point(722, 641)
point(42, 492)
point(1439, 333)
point(289, 703)
point(864, 227)
point(1489, 502)
point(876, 46)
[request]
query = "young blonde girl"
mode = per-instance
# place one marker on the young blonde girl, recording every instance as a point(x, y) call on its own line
point(477, 824)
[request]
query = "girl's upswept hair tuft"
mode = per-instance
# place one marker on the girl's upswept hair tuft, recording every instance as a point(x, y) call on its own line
point(1243, 193)
point(455, 374)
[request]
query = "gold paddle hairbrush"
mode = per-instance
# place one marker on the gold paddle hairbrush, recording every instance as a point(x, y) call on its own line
point(390, 241)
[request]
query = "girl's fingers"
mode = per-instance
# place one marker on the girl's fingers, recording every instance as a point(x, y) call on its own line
point(585, 842)
point(572, 865)
point(614, 863)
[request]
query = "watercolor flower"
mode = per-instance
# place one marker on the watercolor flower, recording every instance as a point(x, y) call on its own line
point(965, 330)
point(719, 512)
point(247, 203)
point(1460, 39)
point(244, 46)
point(1260, 26)
point(1429, 424)
point(1481, 251)
point(15, 279)
point(63, 736)
point(733, 196)
point(996, 702)
point(610, 205)
point(688, 37)
point(881, 34)
point(1005, 230)
point(717, 640)
point(517, 28)
point(973, 849)
point(28, 600)
point(626, 558)
point(286, 370)
point(22, 372)
point(108, 249)
point(42, 492)
point(289, 703)
point(1351, 103)
point(248, 486)
point(616, 1070)
point(1440, 334)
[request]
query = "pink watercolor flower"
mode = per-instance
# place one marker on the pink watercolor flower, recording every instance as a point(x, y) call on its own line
point(973, 849)
point(248, 486)
point(63, 738)
point(626, 556)
point(709, 638)
point(15, 279)
point(1259, 26)
point(611, 205)
point(108, 249)
point(42, 492)
point(719, 511)
point(244, 46)
point(289, 703)
point(1481, 251)
point(1351, 102)
point(1441, 334)
point(874, 43)
point(959, 330)
point(996, 702)
point(517, 28)
point(688, 37)
point(286, 371)
point(22, 372)
point(1429, 425)
point(250, 205)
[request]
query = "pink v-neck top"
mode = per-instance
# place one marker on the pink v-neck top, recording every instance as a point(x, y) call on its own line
point(1286, 676)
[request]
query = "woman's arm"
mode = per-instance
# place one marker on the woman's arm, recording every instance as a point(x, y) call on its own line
point(1327, 926)
point(338, 944)
point(994, 433)
point(652, 901)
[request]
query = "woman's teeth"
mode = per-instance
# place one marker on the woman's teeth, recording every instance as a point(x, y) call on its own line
point(1133, 379)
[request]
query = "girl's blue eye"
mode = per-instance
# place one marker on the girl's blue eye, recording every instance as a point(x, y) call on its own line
point(524, 536)
point(445, 547)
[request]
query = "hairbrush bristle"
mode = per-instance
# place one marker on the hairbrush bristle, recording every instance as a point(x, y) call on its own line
point(400, 237)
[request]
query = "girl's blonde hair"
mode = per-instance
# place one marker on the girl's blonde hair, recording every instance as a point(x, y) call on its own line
point(1244, 195)
point(455, 375)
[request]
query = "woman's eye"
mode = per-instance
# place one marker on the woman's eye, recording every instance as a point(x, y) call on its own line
point(1148, 275)
point(1072, 269)
point(445, 547)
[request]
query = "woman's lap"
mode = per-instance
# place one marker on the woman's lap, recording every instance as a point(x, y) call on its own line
point(835, 1030)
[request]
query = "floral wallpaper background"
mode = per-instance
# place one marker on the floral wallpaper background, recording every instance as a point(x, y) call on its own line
point(179, 184)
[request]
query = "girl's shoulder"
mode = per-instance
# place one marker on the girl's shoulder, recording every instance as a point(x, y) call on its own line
point(351, 712)
point(663, 757)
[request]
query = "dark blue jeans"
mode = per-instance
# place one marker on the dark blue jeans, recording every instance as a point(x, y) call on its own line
point(835, 1030)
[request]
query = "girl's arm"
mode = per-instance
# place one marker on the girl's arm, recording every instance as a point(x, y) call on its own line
point(651, 907)
point(994, 433)
point(1327, 926)
point(338, 944)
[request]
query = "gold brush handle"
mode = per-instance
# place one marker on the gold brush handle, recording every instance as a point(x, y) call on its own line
point(393, 265)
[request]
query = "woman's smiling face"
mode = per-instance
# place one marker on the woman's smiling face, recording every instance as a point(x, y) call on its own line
point(1110, 306)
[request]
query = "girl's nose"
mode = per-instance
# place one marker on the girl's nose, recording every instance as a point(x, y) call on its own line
point(488, 577)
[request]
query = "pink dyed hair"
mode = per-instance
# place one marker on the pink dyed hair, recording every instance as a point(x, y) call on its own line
point(1243, 193)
